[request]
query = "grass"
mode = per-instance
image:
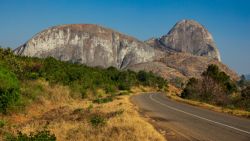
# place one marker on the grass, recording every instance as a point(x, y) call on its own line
point(174, 94)
point(2, 123)
point(53, 108)
point(103, 100)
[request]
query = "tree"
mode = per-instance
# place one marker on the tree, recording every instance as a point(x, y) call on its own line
point(9, 89)
point(221, 77)
point(214, 87)
point(245, 93)
point(191, 91)
point(142, 76)
point(242, 82)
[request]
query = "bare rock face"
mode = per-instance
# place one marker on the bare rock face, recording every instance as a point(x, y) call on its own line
point(184, 52)
point(87, 44)
point(188, 36)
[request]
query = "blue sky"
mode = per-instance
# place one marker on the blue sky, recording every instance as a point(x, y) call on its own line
point(227, 20)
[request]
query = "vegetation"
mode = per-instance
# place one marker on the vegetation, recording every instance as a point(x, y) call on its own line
point(243, 82)
point(69, 118)
point(244, 100)
point(216, 87)
point(39, 136)
point(97, 120)
point(103, 100)
point(84, 80)
point(2, 123)
point(9, 89)
point(68, 99)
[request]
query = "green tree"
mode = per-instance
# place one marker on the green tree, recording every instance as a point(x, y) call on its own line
point(215, 87)
point(9, 89)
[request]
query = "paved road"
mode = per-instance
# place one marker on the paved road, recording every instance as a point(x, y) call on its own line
point(181, 121)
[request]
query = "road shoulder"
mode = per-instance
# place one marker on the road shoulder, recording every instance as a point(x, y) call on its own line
point(160, 124)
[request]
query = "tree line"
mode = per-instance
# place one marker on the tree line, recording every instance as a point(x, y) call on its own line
point(81, 78)
point(216, 87)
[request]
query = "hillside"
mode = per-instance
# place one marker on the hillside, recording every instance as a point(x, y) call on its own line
point(247, 76)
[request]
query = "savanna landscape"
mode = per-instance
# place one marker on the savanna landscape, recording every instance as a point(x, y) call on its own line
point(124, 70)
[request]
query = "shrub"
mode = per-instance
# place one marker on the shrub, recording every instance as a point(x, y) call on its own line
point(9, 89)
point(178, 82)
point(245, 93)
point(142, 76)
point(90, 107)
point(2, 123)
point(97, 120)
point(110, 89)
point(119, 112)
point(33, 76)
point(190, 91)
point(124, 93)
point(39, 136)
point(123, 86)
point(78, 110)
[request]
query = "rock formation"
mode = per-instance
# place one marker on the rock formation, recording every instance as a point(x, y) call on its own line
point(184, 52)
point(190, 37)
point(88, 44)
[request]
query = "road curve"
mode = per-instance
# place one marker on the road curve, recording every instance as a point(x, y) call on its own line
point(188, 122)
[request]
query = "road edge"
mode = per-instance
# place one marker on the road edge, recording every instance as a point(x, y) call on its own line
point(236, 112)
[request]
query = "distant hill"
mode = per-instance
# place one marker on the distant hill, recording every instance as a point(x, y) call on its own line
point(247, 76)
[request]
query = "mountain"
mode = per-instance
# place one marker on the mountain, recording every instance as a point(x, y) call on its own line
point(247, 76)
point(184, 52)
point(88, 44)
point(190, 37)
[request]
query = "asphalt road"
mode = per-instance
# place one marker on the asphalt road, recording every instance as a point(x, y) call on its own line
point(179, 121)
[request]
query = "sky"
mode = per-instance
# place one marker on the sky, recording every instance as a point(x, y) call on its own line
point(227, 20)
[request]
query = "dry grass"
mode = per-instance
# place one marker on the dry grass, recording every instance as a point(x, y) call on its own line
point(174, 93)
point(69, 119)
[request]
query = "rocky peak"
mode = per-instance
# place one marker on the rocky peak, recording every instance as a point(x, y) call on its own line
point(88, 44)
point(184, 52)
point(190, 37)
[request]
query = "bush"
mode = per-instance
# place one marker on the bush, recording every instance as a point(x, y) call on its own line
point(39, 136)
point(245, 93)
point(110, 89)
point(33, 76)
point(2, 123)
point(123, 86)
point(190, 91)
point(177, 82)
point(150, 79)
point(90, 107)
point(97, 120)
point(9, 89)
point(142, 76)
